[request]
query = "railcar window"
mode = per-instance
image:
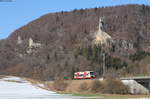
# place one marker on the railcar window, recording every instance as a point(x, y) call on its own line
point(81, 75)
point(92, 73)
point(87, 74)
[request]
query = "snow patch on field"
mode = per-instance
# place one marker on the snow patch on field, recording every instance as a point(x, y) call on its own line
point(18, 88)
point(13, 79)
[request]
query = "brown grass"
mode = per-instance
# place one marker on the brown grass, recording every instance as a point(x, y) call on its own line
point(2, 76)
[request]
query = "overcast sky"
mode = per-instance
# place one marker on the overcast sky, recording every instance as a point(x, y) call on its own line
point(18, 13)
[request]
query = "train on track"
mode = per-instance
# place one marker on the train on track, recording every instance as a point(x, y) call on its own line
point(85, 75)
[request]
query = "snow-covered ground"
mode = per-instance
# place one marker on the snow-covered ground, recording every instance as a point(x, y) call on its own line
point(17, 88)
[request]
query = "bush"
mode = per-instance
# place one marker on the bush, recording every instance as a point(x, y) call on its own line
point(114, 86)
point(83, 87)
point(96, 86)
point(60, 85)
point(139, 55)
point(111, 86)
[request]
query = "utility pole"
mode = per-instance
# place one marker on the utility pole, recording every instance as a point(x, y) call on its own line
point(104, 69)
point(102, 52)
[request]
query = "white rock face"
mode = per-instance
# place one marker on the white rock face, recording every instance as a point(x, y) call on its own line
point(32, 44)
point(19, 40)
point(101, 37)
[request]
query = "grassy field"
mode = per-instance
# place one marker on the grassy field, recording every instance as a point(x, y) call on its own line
point(110, 96)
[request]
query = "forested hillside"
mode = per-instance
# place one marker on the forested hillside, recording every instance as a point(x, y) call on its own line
point(58, 44)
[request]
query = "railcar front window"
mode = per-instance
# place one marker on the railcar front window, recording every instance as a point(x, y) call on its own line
point(92, 73)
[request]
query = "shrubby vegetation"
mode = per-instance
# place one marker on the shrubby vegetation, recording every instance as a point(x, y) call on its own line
point(114, 86)
point(60, 85)
point(96, 54)
point(97, 86)
point(110, 86)
point(84, 87)
point(139, 55)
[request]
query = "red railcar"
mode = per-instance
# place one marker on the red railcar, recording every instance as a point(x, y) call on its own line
point(84, 75)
